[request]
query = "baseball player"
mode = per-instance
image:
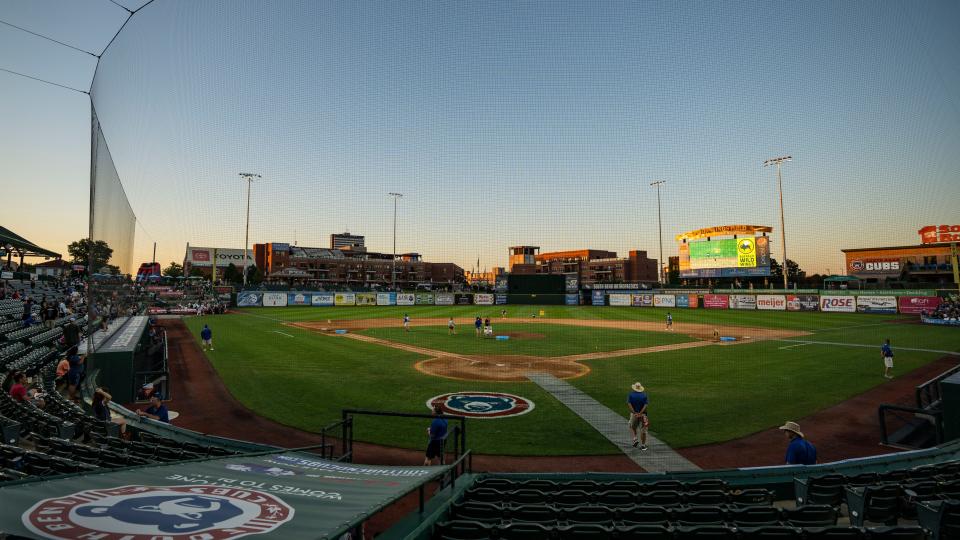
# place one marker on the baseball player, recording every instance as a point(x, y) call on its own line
point(887, 353)
point(451, 327)
point(669, 321)
point(406, 322)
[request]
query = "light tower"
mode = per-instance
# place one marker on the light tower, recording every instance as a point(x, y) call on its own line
point(778, 161)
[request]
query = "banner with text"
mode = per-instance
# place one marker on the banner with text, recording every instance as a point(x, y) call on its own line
point(803, 302)
point(322, 299)
point(877, 304)
point(483, 299)
point(843, 304)
point(345, 299)
point(386, 299)
point(916, 304)
point(620, 299)
point(366, 299)
point(406, 299)
point(298, 299)
point(716, 301)
point(248, 299)
point(572, 299)
point(664, 300)
point(776, 302)
point(743, 301)
point(597, 298)
point(424, 299)
point(444, 299)
point(274, 299)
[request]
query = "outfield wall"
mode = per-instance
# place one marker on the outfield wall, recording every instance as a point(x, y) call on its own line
point(912, 302)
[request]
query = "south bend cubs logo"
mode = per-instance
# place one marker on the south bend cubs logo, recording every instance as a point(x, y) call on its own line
point(481, 404)
point(857, 265)
point(168, 512)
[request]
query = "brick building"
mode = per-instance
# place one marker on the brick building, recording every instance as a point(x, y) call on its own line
point(354, 268)
point(590, 266)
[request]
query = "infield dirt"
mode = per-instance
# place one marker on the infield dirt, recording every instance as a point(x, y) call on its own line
point(507, 367)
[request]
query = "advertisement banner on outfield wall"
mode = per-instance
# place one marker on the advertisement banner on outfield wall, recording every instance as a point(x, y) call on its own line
point(664, 300)
point(803, 302)
point(424, 299)
point(366, 299)
point(843, 304)
point(462, 299)
point(501, 299)
point(248, 299)
point(298, 299)
point(775, 302)
point(693, 300)
point(572, 283)
point(646, 300)
point(345, 299)
point(386, 299)
point(572, 299)
point(406, 299)
point(635, 300)
point(483, 299)
point(743, 301)
point(716, 301)
point(877, 304)
point(682, 301)
point(597, 298)
point(444, 299)
point(500, 284)
point(620, 299)
point(322, 299)
point(916, 304)
point(274, 299)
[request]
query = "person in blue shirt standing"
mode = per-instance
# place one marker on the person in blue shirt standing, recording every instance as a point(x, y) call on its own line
point(156, 411)
point(437, 433)
point(887, 353)
point(478, 326)
point(207, 336)
point(637, 402)
point(799, 451)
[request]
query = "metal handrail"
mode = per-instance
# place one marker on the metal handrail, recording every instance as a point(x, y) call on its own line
point(936, 415)
point(931, 389)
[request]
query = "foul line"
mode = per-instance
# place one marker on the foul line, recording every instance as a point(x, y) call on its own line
point(279, 332)
point(797, 345)
point(805, 342)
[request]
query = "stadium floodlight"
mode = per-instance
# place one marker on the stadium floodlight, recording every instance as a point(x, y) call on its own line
point(778, 161)
point(246, 239)
point(393, 263)
point(657, 184)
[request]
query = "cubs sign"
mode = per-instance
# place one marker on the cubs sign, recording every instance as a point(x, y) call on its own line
point(481, 404)
point(146, 512)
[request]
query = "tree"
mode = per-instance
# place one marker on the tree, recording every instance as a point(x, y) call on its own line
point(232, 274)
point(174, 270)
point(93, 254)
point(254, 275)
point(794, 272)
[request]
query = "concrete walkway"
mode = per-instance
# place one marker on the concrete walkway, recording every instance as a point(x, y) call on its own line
point(658, 458)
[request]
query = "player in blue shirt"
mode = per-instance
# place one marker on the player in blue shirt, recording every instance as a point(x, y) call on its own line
point(406, 322)
point(669, 321)
point(207, 336)
point(887, 353)
point(799, 451)
point(637, 402)
point(437, 432)
point(478, 326)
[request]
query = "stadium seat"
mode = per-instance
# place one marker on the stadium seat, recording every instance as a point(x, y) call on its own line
point(462, 530)
point(708, 483)
point(589, 514)
point(644, 532)
point(485, 495)
point(477, 511)
point(589, 531)
point(751, 497)
point(571, 497)
point(616, 498)
point(876, 504)
point(834, 533)
point(524, 531)
point(896, 533)
point(863, 479)
point(546, 486)
point(915, 492)
point(709, 532)
point(644, 514)
point(941, 518)
point(586, 485)
point(710, 497)
point(700, 515)
point(534, 513)
point(665, 485)
point(771, 533)
point(662, 498)
point(754, 516)
point(500, 484)
point(828, 489)
point(629, 485)
point(528, 496)
point(811, 516)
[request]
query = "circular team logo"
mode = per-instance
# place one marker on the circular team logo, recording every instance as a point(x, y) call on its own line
point(746, 246)
point(148, 512)
point(481, 404)
point(856, 265)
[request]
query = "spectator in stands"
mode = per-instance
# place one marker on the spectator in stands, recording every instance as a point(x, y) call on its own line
point(71, 335)
point(156, 411)
point(19, 389)
point(27, 311)
point(62, 369)
point(437, 434)
point(207, 336)
point(50, 313)
point(101, 410)
point(74, 374)
point(637, 402)
point(799, 451)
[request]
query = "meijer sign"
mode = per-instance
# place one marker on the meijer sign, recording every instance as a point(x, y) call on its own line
point(772, 301)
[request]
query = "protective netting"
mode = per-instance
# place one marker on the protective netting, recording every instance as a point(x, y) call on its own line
point(111, 218)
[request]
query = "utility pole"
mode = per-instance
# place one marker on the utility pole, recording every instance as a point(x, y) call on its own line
point(246, 239)
point(778, 161)
point(393, 267)
point(657, 184)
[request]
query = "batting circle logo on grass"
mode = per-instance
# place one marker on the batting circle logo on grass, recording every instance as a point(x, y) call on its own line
point(481, 404)
point(169, 512)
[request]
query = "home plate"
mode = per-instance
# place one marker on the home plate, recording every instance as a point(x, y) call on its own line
point(501, 365)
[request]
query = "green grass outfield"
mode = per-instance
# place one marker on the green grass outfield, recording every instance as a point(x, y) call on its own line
point(702, 395)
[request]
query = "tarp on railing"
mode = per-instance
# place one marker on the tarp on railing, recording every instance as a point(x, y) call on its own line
point(278, 495)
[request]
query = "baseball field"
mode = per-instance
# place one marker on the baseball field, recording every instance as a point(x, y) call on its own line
point(291, 365)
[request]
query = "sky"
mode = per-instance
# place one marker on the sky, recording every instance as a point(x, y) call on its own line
point(502, 123)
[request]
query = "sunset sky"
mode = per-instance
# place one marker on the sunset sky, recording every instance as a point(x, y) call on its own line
point(502, 122)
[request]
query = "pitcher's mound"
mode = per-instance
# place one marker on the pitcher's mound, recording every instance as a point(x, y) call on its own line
point(499, 368)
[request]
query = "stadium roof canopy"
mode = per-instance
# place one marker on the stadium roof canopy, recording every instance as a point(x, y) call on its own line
point(24, 247)
point(273, 494)
point(724, 230)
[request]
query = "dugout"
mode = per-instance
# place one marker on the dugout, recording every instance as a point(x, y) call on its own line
point(128, 359)
point(547, 289)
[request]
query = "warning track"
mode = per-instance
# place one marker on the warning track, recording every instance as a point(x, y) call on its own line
point(496, 367)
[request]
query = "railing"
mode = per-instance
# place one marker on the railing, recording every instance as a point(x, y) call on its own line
point(458, 433)
point(928, 394)
point(913, 421)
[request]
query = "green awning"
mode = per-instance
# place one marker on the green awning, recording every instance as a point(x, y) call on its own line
point(28, 248)
point(277, 495)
